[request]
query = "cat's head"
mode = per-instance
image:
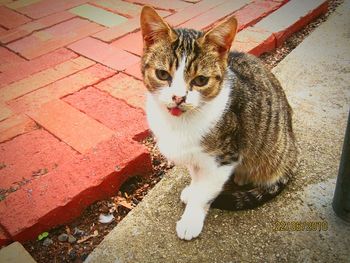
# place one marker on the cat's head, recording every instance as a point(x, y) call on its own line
point(184, 68)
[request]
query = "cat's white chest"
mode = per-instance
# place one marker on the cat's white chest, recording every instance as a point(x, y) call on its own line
point(176, 137)
point(178, 143)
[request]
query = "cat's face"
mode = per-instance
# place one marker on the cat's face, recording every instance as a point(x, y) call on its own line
point(183, 68)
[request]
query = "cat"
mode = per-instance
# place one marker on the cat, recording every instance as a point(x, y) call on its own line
point(221, 114)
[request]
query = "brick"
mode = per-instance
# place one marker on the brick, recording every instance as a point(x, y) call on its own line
point(17, 71)
point(71, 125)
point(98, 15)
point(135, 71)
point(291, 17)
point(8, 57)
point(47, 40)
point(106, 54)
point(252, 13)
point(14, 126)
point(47, 7)
point(61, 88)
point(116, 32)
point(254, 41)
point(44, 78)
point(205, 20)
point(123, 87)
point(20, 3)
point(120, 7)
point(167, 5)
point(63, 193)
point(30, 152)
point(125, 121)
point(5, 112)
point(10, 19)
point(192, 11)
point(26, 29)
point(132, 43)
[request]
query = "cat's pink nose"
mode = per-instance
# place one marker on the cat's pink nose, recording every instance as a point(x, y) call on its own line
point(178, 100)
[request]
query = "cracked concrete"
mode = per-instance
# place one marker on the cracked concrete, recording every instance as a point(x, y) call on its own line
point(316, 77)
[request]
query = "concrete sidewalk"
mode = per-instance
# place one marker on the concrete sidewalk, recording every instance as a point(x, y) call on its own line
point(316, 77)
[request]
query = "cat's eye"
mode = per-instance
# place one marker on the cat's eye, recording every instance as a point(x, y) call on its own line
point(200, 81)
point(163, 74)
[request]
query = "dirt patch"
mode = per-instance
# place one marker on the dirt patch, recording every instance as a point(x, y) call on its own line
point(86, 232)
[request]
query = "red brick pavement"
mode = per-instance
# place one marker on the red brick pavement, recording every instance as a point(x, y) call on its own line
point(72, 97)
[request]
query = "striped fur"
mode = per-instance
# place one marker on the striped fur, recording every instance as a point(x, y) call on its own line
point(246, 143)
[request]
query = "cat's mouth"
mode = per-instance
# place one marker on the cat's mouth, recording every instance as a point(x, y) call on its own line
point(175, 111)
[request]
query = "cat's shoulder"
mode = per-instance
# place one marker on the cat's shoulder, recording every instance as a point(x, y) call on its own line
point(240, 62)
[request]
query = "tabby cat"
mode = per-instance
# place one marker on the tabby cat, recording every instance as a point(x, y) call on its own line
point(221, 114)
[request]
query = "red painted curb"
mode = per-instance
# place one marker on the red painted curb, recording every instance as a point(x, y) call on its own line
point(302, 22)
point(54, 200)
point(5, 239)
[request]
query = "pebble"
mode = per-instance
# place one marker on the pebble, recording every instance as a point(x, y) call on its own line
point(78, 232)
point(47, 242)
point(71, 239)
point(72, 255)
point(63, 237)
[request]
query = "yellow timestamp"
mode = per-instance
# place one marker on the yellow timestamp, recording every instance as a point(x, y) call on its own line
point(300, 226)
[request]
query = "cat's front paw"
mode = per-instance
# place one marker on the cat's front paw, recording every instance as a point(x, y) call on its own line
point(185, 194)
point(188, 228)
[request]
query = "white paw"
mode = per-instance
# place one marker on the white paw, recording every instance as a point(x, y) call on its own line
point(190, 226)
point(187, 228)
point(185, 194)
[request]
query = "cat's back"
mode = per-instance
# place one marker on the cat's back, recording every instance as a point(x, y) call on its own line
point(255, 86)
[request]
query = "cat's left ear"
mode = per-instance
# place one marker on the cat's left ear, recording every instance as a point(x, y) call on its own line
point(154, 28)
point(222, 35)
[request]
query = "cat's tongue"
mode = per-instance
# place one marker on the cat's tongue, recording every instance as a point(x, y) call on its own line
point(175, 111)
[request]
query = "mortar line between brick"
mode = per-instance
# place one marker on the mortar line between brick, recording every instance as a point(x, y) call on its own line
point(132, 53)
point(25, 132)
point(258, 19)
point(177, 25)
point(17, 53)
point(38, 30)
point(117, 38)
point(85, 113)
point(6, 102)
point(109, 10)
point(98, 62)
point(155, 7)
point(223, 18)
point(120, 99)
point(126, 73)
point(14, 10)
point(52, 134)
point(90, 85)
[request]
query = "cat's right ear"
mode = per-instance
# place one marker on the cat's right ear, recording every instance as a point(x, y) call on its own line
point(154, 28)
